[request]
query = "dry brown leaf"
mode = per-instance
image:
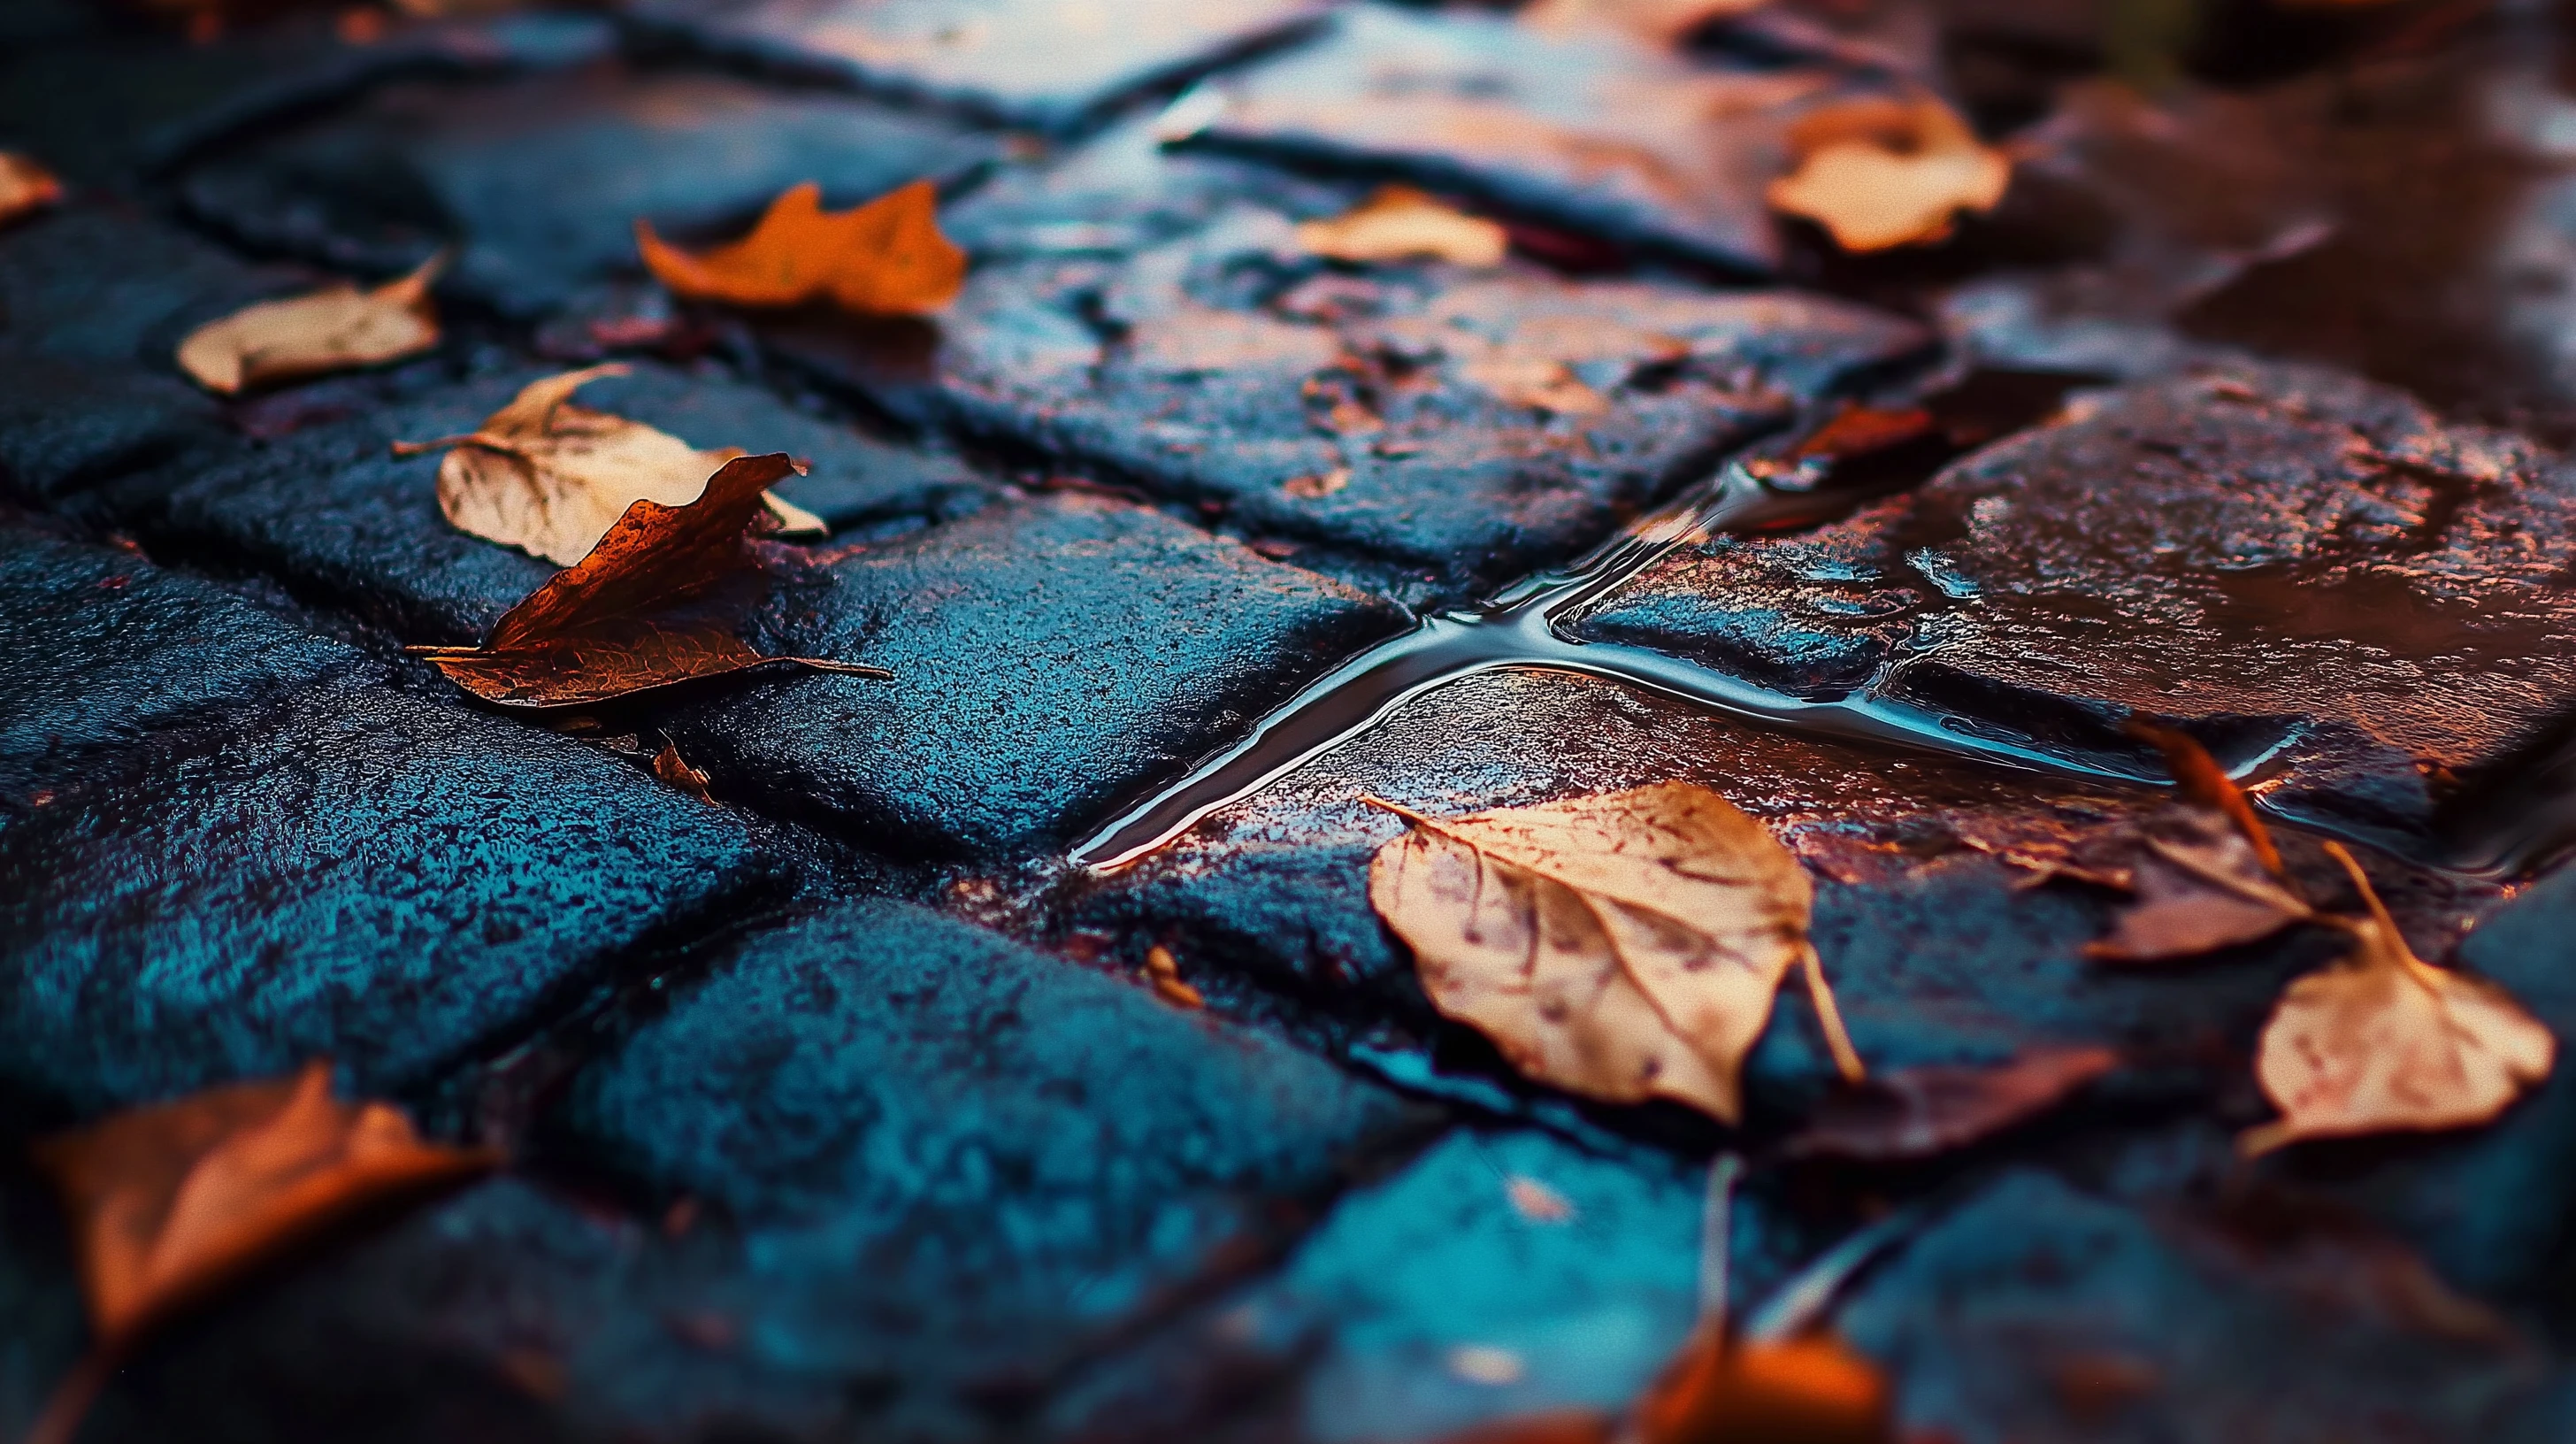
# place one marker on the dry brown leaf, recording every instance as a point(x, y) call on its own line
point(1399, 223)
point(883, 258)
point(669, 766)
point(1659, 21)
point(551, 478)
point(2385, 1041)
point(1808, 1390)
point(2206, 873)
point(1881, 173)
point(1623, 946)
point(334, 329)
point(1918, 1112)
point(652, 605)
point(25, 187)
point(1163, 975)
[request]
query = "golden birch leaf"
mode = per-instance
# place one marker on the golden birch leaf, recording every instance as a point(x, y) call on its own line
point(1883, 173)
point(1399, 223)
point(335, 329)
point(551, 478)
point(2384, 1041)
point(1624, 946)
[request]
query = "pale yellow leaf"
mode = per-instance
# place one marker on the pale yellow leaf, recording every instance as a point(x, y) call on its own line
point(335, 329)
point(1399, 223)
point(1882, 173)
point(2384, 1041)
point(551, 478)
point(1623, 946)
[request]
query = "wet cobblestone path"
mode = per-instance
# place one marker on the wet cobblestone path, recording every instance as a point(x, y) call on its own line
point(848, 1108)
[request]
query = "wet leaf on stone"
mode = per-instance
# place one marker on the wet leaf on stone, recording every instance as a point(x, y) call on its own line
point(1880, 173)
point(551, 478)
point(25, 187)
point(172, 1201)
point(669, 766)
point(1807, 1390)
point(1624, 946)
point(335, 329)
point(2205, 871)
point(885, 258)
point(654, 604)
point(2384, 1042)
point(1399, 223)
point(1919, 1112)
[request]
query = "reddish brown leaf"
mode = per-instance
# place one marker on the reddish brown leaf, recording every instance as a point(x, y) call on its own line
point(652, 605)
point(1857, 430)
point(25, 187)
point(2205, 784)
point(1917, 1112)
point(883, 258)
point(668, 765)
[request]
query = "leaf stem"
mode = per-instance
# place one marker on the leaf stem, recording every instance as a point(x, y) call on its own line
point(1846, 1057)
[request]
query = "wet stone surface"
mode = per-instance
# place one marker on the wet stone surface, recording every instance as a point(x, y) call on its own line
point(2304, 566)
point(845, 1107)
point(539, 182)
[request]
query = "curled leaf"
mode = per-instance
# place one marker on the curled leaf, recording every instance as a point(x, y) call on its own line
point(551, 478)
point(2385, 1041)
point(1881, 173)
point(334, 329)
point(1399, 223)
point(1624, 946)
point(669, 766)
point(1918, 1112)
point(2206, 873)
point(25, 187)
point(652, 605)
point(883, 258)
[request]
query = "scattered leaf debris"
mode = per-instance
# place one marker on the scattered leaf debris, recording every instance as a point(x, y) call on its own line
point(1919, 1112)
point(1880, 173)
point(338, 328)
point(1163, 974)
point(550, 478)
point(885, 258)
point(652, 605)
point(25, 187)
point(1806, 1390)
point(2385, 1041)
point(1536, 1201)
point(1399, 223)
point(1624, 946)
point(2205, 870)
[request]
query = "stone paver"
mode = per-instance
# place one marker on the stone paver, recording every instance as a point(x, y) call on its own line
point(105, 649)
point(2301, 562)
point(1041, 63)
point(360, 875)
point(539, 182)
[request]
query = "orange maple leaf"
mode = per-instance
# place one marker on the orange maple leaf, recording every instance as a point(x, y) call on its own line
point(884, 258)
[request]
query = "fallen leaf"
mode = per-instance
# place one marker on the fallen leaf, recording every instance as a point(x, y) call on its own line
point(1624, 946)
point(883, 258)
point(551, 478)
point(652, 605)
point(1163, 974)
point(1399, 223)
point(2205, 871)
point(2385, 1041)
point(1880, 173)
point(1806, 1390)
point(172, 1202)
point(1660, 21)
point(1855, 430)
point(668, 765)
point(334, 329)
point(1918, 1112)
point(25, 187)
point(1563, 1426)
